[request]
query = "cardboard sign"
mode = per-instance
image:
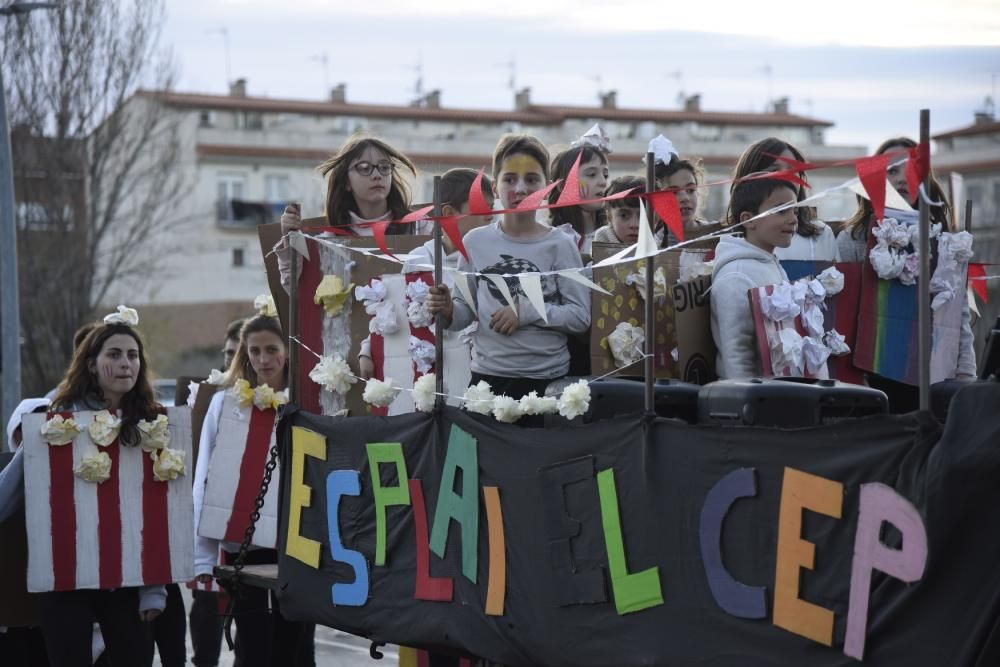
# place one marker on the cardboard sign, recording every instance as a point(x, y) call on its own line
point(130, 530)
point(696, 350)
point(235, 471)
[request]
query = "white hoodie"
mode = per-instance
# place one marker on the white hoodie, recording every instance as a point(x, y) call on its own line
point(739, 267)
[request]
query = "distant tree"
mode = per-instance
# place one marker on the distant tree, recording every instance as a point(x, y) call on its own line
point(96, 167)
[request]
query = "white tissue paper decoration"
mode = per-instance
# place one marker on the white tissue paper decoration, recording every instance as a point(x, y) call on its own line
point(478, 398)
point(814, 353)
point(832, 280)
point(333, 374)
point(786, 351)
point(422, 354)
point(383, 321)
point(575, 400)
point(954, 252)
point(662, 149)
point(371, 295)
point(626, 344)
point(659, 283)
point(379, 393)
point(533, 404)
point(780, 304)
point(595, 137)
point(424, 395)
point(506, 409)
point(836, 342)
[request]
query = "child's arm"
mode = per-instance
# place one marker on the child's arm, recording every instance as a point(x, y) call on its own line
point(571, 314)
point(734, 332)
point(290, 221)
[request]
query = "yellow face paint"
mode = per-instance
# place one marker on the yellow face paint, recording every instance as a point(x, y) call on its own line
point(521, 165)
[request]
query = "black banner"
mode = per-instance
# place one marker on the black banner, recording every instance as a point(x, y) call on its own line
point(638, 543)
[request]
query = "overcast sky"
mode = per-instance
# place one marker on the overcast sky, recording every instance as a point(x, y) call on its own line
point(866, 65)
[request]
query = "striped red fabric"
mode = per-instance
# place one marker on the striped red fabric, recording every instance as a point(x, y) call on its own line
point(251, 472)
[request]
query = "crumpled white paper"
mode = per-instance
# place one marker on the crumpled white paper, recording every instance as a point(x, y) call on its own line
point(814, 353)
point(596, 137)
point(659, 283)
point(124, 315)
point(832, 280)
point(168, 464)
point(892, 233)
point(94, 468)
point(216, 377)
point(371, 295)
point(780, 304)
point(626, 344)
point(104, 428)
point(911, 268)
point(422, 353)
point(60, 431)
point(662, 149)
point(812, 318)
point(933, 232)
point(887, 262)
point(786, 352)
point(836, 342)
point(418, 314)
point(417, 290)
point(154, 433)
point(383, 321)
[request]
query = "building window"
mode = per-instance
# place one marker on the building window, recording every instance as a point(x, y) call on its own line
point(206, 119)
point(237, 257)
point(229, 187)
point(277, 188)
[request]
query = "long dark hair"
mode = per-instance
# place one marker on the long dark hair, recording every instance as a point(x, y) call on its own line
point(340, 201)
point(240, 368)
point(758, 158)
point(80, 387)
point(560, 167)
point(864, 215)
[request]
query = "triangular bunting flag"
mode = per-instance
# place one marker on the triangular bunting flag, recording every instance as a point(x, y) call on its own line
point(666, 206)
point(477, 202)
point(449, 226)
point(535, 199)
point(531, 284)
point(576, 276)
point(571, 189)
point(501, 284)
point(871, 173)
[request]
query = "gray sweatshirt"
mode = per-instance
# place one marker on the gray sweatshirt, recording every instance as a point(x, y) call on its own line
point(537, 349)
point(739, 267)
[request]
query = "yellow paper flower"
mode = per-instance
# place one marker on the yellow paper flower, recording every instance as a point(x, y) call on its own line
point(264, 304)
point(332, 294)
point(60, 431)
point(266, 398)
point(104, 428)
point(168, 465)
point(244, 392)
point(155, 434)
point(95, 468)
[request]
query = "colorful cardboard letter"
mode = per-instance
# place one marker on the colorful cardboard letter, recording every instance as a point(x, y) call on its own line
point(799, 491)
point(496, 589)
point(304, 442)
point(462, 508)
point(386, 452)
point(345, 483)
point(734, 597)
point(880, 503)
point(436, 589)
point(635, 591)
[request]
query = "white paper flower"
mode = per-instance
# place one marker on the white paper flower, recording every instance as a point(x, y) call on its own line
point(424, 392)
point(371, 295)
point(832, 280)
point(892, 233)
point(216, 377)
point(478, 398)
point(155, 433)
point(575, 400)
point(888, 263)
point(417, 290)
point(192, 398)
point(168, 464)
point(243, 392)
point(422, 354)
point(94, 468)
point(60, 431)
point(626, 344)
point(333, 374)
point(815, 354)
point(266, 398)
point(836, 342)
point(911, 268)
point(506, 409)
point(379, 393)
point(812, 319)
point(264, 305)
point(418, 314)
point(780, 304)
point(814, 290)
point(786, 352)
point(533, 404)
point(383, 321)
point(124, 315)
point(103, 428)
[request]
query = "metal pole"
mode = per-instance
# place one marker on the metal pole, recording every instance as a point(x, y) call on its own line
point(923, 289)
point(293, 327)
point(649, 368)
point(438, 279)
point(10, 324)
point(968, 215)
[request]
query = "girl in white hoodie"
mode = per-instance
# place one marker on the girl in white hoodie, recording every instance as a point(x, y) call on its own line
point(743, 264)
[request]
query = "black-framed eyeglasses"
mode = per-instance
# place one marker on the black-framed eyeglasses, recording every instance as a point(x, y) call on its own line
point(366, 168)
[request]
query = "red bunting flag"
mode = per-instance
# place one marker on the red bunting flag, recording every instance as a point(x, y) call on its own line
point(792, 163)
point(378, 231)
point(917, 168)
point(666, 206)
point(535, 199)
point(477, 202)
point(449, 226)
point(977, 274)
point(872, 174)
point(571, 190)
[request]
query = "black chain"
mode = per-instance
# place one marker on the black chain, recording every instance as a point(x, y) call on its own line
point(272, 463)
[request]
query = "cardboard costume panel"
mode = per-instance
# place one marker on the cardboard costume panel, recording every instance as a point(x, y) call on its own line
point(235, 472)
point(129, 530)
point(18, 608)
point(609, 545)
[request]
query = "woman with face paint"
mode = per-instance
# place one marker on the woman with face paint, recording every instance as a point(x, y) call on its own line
point(263, 637)
point(108, 372)
point(519, 349)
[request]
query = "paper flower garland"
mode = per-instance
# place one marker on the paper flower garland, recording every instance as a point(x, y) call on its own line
point(95, 468)
point(216, 377)
point(60, 431)
point(104, 428)
point(478, 398)
point(263, 397)
point(332, 294)
point(155, 434)
point(124, 315)
point(506, 409)
point(424, 395)
point(533, 404)
point(243, 392)
point(264, 305)
point(333, 374)
point(575, 400)
point(379, 393)
point(168, 465)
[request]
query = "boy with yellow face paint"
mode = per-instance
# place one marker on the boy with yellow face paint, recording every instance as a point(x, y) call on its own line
point(517, 348)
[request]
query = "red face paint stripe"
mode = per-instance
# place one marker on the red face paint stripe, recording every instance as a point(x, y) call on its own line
point(427, 587)
point(109, 522)
point(251, 472)
point(155, 533)
point(63, 513)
